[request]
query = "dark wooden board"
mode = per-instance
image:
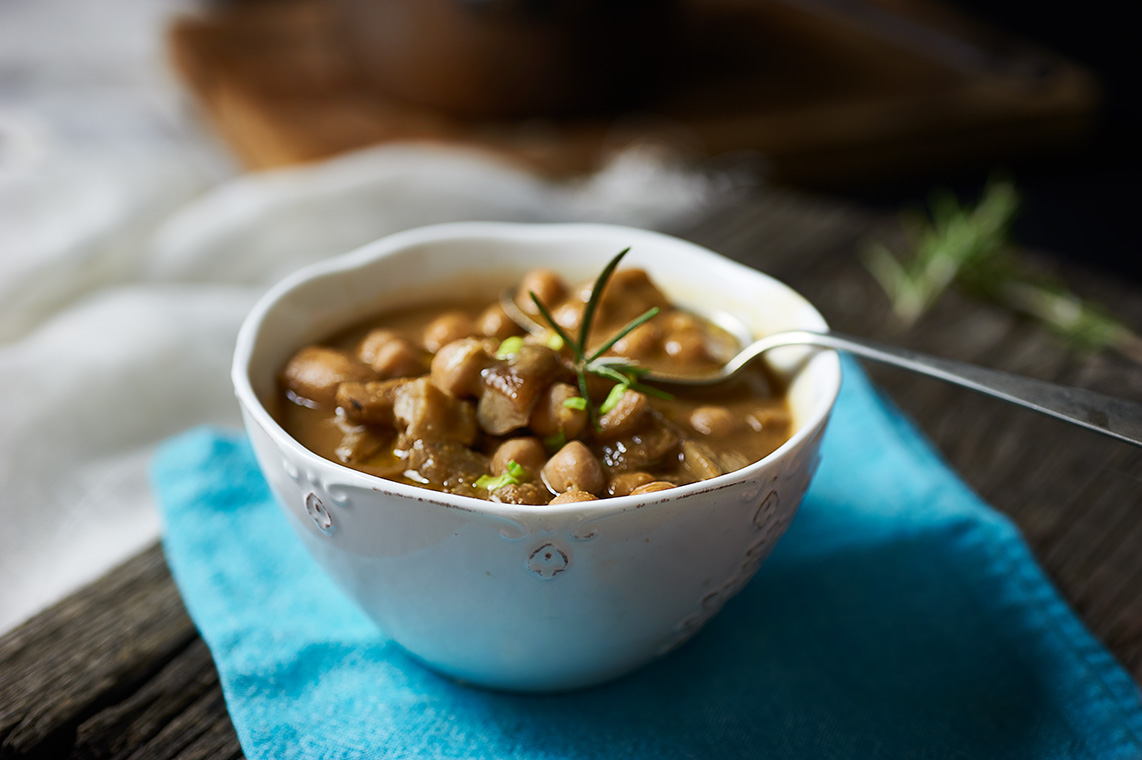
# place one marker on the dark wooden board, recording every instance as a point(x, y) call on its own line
point(117, 670)
point(826, 99)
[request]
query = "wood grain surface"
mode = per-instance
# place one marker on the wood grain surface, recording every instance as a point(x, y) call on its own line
point(118, 671)
point(827, 98)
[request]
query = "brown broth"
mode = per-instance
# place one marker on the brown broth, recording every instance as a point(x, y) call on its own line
point(752, 409)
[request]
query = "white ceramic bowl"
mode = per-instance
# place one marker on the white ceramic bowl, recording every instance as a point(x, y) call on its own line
point(517, 597)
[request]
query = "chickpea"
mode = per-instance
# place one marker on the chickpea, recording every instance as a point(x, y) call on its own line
point(391, 355)
point(625, 417)
point(494, 322)
point(314, 373)
point(547, 285)
point(573, 468)
point(686, 346)
point(768, 418)
point(569, 315)
point(449, 326)
point(698, 459)
point(628, 294)
point(642, 342)
point(678, 320)
point(625, 482)
point(658, 485)
point(570, 497)
point(457, 366)
point(367, 348)
point(521, 493)
point(399, 359)
point(550, 414)
point(712, 420)
point(527, 452)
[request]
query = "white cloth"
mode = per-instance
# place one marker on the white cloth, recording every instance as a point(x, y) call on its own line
point(131, 249)
point(121, 301)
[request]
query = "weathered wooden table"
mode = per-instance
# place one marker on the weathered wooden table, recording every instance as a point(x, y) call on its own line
point(118, 671)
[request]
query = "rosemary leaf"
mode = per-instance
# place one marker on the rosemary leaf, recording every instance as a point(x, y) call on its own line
point(609, 373)
point(581, 376)
point(644, 317)
point(596, 296)
point(556, 326)
point(650, 390)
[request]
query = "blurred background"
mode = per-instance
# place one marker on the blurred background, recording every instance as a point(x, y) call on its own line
point(163, 161)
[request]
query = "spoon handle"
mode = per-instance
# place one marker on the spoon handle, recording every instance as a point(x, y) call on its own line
point(1114, 417)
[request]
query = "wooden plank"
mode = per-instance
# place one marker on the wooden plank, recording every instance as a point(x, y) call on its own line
point(139, 724)
point(88, 652)
point(116, 671)
point(1077, 496)
point(828, 101)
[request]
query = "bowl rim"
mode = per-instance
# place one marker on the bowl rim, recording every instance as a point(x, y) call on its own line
point(539, 233)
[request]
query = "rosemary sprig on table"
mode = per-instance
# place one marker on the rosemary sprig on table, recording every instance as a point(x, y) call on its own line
point(623, 372)
point(970, 247)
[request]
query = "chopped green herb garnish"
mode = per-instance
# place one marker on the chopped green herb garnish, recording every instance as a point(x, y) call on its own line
point(509, 478)
point(613, 398)
point(575, 402)
point(554, 342)
point(509, 347)
point(555, 442)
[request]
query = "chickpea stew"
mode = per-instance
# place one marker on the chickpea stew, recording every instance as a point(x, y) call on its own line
point(457, 397)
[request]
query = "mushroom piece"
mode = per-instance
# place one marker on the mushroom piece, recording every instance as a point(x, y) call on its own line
point(370, 402)
point(648, 446)
point(424, 412)
point(447, 465)
point(511, 388)
point(359, 443)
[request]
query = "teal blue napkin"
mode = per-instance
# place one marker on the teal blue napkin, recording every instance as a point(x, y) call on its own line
point(900, 617)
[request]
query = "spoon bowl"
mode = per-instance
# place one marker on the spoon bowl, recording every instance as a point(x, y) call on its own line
point(1104, 414)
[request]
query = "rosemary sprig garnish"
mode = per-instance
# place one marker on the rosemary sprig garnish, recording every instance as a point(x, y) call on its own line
point(970, 247)
point(624, 373)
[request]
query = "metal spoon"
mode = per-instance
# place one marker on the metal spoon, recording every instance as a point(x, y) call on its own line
point(1095, 411)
